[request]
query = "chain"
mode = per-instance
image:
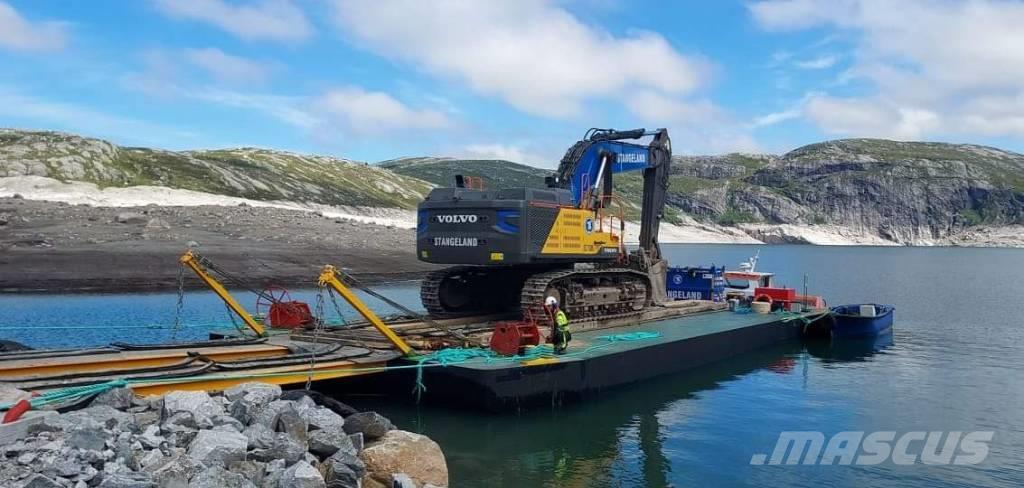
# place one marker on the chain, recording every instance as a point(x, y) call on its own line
point(180, 305)
point(234, 323)
point(319, 325)
point(337, 308)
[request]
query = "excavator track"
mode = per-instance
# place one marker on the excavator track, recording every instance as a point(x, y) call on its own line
point(459, 291)
point(587, 295)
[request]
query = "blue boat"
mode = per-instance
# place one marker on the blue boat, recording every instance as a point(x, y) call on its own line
point(861, 320)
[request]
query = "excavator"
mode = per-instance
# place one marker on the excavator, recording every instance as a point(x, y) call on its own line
point(511, 248)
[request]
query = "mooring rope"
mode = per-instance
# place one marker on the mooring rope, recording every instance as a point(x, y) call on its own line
point(441, 358)
point(456, 355)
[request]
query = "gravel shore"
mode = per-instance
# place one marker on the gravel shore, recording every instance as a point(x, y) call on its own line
point(57, 247)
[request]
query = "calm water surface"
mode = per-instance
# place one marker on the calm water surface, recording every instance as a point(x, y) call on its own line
point(955, 362)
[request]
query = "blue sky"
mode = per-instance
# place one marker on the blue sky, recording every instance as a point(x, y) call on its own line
point(373, 80)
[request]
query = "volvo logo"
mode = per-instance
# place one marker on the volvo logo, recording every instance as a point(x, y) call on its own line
point(456, 219)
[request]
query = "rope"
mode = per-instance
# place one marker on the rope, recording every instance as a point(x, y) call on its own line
point(449, 356)
point(441, 358)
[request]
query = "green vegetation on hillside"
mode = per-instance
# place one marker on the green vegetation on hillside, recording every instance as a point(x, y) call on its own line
point(259, 174)
point(912, 188)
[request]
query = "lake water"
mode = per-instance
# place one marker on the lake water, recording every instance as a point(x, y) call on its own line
point(954, 363)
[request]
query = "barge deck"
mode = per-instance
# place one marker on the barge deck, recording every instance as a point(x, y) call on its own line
point(597, 360)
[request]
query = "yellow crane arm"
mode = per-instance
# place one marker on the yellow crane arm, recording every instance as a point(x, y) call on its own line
point(189, 259)
point(329, 277)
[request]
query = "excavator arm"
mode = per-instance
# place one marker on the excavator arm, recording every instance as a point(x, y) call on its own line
point(587, 167)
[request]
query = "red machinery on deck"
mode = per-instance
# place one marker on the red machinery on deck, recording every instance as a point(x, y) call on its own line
point(281, 311)
point(511, 337)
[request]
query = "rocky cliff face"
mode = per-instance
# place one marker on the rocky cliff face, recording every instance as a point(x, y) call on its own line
point(880, 191)
point(904, 192)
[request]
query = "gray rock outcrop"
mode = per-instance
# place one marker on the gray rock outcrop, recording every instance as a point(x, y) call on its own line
point(187, 439)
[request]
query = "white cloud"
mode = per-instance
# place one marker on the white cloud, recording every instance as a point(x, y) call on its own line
point(67, 116)
point(273, 20)
point(869, 117)
point(227, 67)
point(359, 111)
point(932, 64)
point(696, 126)
point(506, 152)
point(820, 62)
point(290, 110)
point(532, 54)
point(776, 117)
point(19, 34)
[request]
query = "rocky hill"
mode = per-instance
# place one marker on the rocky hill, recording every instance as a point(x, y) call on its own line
point(851, 191)
point(904, 192)
point(257, 174)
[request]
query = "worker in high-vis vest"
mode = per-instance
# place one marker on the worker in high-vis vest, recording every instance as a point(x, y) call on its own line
point(560, 326)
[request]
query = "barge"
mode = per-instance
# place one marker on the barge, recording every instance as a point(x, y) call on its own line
point(599, 360)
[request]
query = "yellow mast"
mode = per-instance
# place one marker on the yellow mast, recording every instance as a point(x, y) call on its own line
point(189, 259)
point(329, 277)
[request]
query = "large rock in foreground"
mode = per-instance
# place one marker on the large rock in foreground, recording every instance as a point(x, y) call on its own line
point(188, 439)
point(404, 452)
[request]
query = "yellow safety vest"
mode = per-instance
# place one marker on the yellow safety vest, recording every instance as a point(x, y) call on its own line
point(561, 320)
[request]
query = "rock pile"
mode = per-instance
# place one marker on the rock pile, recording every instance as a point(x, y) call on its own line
point(249, 436)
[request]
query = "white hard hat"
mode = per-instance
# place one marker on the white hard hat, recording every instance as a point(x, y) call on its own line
point(551, 301)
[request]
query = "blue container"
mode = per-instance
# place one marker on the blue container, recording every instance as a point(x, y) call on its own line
point(850, 323)
point(693, 283)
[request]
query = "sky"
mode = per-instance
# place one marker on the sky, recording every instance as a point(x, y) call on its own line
point(372, 80)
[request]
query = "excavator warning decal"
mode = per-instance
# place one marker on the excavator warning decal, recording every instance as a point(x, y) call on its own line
point(574, 233)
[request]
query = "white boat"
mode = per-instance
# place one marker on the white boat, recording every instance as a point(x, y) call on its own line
point(742, 283)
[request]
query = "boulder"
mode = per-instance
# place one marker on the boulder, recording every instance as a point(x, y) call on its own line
point(176, 472)
point(218, 448)
point(107, 415)
point(263, 414)
point(198, 403)
point(282, 447)
point(405, 452)
point(322, 400)
point(130, 218)
point(371, 424)
point(325, 442)
point(321, 418)
point(87, 434)
point(260, 436)
point(218, 477)
point(151, 438)
point(119, 398)
point(39, 481)
point(289, 421)
point(342, 470)
point(253, 471)
point(127, 480)
point(265, 390)
point(272, 473)
point(357, 441)
point(302, 475)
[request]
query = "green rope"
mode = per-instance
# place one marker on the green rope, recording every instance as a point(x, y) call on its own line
point(445, 357)
point(441, 358)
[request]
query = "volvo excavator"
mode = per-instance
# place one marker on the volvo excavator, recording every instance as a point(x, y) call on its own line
point(513, 247)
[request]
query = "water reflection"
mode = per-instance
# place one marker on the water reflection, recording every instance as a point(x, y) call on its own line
point(849, 349)
point(616, 440)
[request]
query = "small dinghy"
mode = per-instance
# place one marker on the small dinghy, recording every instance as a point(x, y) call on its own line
point(862, 320)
